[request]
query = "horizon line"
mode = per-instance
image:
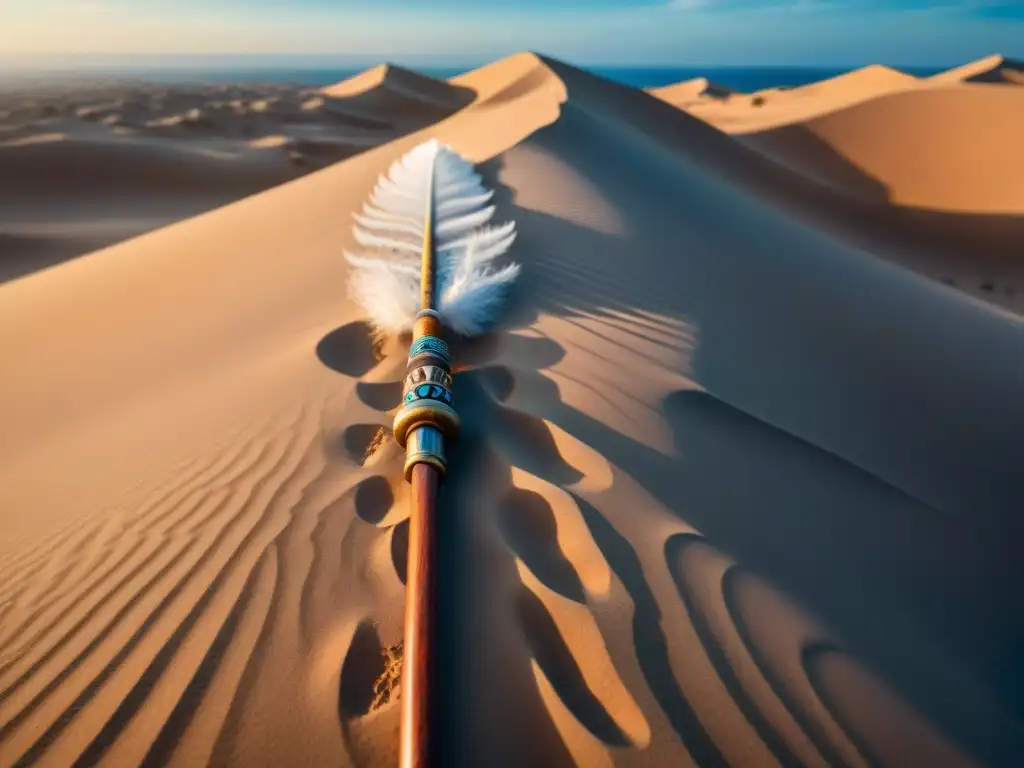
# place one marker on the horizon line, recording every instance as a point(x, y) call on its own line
point(321, 60)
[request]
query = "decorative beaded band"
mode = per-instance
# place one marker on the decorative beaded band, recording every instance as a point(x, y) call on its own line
point(432, 374)
point(427, 392)
point(428, 313)
point(426, 418)
point(430, 345)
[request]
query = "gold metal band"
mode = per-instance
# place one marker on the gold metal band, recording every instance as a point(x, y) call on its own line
point(429, 412)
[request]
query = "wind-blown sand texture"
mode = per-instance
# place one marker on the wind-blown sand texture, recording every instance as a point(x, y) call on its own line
point(735, 488)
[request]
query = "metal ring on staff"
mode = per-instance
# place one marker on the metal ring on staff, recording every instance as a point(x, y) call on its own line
point(425, 445)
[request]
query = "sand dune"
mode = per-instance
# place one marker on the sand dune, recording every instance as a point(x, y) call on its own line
point(949, 149)
point(732, 490)
point(922, 172)
point(145, 156)
point(864, 81)
point(392, 90)
point(991, 69)
point(690, 92)
point(774, 107)
point(74, 193)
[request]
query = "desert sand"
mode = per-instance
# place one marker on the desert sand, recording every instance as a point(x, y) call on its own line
point(87, 164)
point(736, 487)
point(923, 172)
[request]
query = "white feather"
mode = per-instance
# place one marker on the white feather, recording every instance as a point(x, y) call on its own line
point(386, 282)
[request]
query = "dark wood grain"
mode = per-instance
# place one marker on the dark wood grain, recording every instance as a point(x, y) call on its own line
point(420, 597)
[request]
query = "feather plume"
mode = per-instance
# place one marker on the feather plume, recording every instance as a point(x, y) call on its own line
point(386, 279)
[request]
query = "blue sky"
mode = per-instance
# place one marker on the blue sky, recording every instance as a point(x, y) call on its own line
point(456, 32)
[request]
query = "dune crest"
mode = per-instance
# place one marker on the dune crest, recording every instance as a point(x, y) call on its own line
point(399, 81)
point(990, 69)
point(691, 91)
point(774, 107)
point(703, 512)
point(866, 80)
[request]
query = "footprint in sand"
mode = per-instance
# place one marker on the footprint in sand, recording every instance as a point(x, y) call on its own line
point(381, 396)
point(364, 665)
point(349, 349)
point(357, 443)
point(374, 499)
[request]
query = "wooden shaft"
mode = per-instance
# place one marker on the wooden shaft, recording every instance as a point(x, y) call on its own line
point(428, 265)
point(420, 636)
point(426, 326)
point(416, 746)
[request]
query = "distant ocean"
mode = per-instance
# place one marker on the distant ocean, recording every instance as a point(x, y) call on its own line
point(744, 79)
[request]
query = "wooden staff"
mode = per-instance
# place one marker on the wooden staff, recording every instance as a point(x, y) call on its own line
point(423, 423)
point(420, 627)
point(452, 220)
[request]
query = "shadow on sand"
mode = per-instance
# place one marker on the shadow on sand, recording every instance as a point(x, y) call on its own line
point(901, 542)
